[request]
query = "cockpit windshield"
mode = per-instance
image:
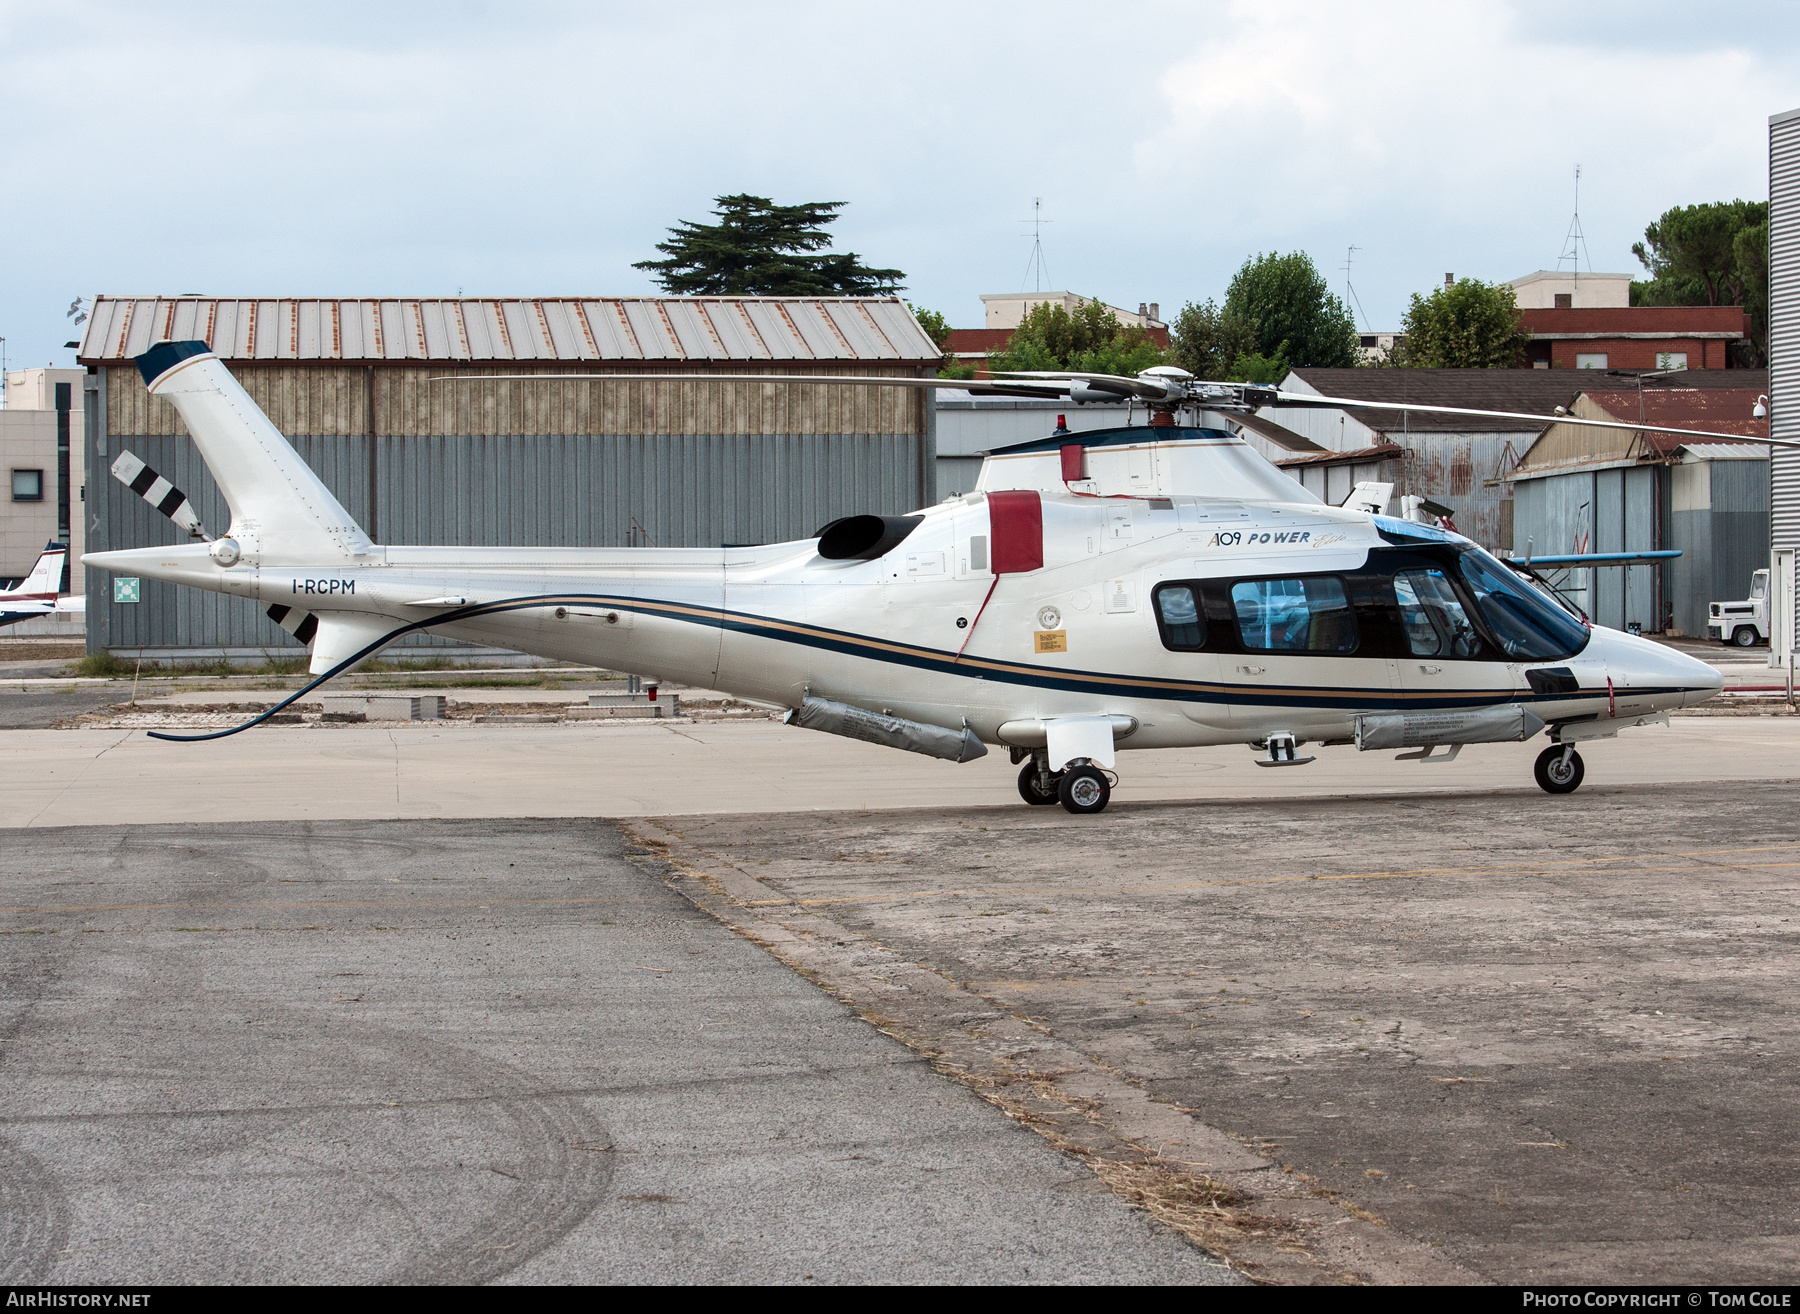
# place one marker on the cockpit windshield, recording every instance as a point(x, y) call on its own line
point(1526, 624)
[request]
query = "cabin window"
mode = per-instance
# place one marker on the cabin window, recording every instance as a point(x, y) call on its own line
point(1294, 615)
point(1433, 616)
point(28, 485)
point(1178, 616)
point(1526, 624)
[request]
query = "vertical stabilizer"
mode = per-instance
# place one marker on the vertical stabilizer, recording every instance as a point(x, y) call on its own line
point(280, 510)
point(45, 580)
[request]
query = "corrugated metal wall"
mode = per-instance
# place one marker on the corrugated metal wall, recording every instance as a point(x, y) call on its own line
point(1620, 510)
point(1739, 532)
point(1555, 517)
point(425, 401)
point(1784, 331)
point(660, 484)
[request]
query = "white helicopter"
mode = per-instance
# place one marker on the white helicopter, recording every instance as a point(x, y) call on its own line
point(1150, 586)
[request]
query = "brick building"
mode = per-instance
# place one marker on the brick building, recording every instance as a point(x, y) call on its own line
point(1633, 337)
point(1587, 322)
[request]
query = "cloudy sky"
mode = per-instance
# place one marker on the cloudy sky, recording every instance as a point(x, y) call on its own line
point(338, 149)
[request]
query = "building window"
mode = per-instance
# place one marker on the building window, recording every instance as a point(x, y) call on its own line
point(28, 485)
point(1565, 300)
point(1590, 360)
point(1671, 360)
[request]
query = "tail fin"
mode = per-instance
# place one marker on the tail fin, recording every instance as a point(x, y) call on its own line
point(45, 580)
point(280, 509)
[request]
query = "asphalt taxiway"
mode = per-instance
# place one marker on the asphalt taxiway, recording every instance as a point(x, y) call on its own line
point(477, 1051)
point(366, 1002)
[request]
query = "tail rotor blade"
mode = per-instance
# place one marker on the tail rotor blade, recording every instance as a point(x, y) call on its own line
point(301, 624)
point(131, 471)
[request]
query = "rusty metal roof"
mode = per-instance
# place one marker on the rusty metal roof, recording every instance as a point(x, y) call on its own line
point(515, 330)
point(1727, 412)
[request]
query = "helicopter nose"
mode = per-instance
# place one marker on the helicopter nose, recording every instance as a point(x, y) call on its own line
point(1677, 679)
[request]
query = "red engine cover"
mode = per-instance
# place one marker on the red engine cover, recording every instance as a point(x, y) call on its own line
point(1016, 521)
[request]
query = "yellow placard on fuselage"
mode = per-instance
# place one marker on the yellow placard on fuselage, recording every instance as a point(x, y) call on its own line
point(1052, 640)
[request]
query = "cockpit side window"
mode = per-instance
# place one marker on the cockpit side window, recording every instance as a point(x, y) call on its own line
point(1178, 617)
point(1433, 617)
point(1309, 614)
point(1526, 624)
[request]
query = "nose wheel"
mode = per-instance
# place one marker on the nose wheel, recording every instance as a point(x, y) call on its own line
point(1559, 769)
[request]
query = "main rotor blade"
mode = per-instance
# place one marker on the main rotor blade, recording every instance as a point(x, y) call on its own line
point(1044, 384)
point(1308, 399)
point(868, 381)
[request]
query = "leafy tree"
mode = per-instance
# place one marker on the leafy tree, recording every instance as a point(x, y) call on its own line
point(1206, 341)
point(1296, 316)
point(1715, 254)
point(760, 248)
point(1089, 339)
point(1470, 325)
point(937, 328)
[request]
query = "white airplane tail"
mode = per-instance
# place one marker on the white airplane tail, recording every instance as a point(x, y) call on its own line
point(45, 580)
point(280, 509)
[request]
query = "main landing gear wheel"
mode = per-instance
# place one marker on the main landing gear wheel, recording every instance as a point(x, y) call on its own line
point(1028, 786)
point(1559, 770)
point(1084, 790)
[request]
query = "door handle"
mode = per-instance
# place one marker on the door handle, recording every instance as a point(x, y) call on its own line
point(1432, 670)
point(1252, 670)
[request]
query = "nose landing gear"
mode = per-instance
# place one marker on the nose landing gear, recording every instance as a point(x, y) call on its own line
point(1559, 769)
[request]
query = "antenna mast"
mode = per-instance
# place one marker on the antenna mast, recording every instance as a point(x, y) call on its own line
point(1576, 242)
point(1350, 288)
point(1036, 263)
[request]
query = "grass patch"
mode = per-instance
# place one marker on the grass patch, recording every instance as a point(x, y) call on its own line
point(102, 666)
point(410, 664)
point(105, 666)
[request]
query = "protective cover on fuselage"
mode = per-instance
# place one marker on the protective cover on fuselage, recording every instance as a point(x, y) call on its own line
point(1144, 461)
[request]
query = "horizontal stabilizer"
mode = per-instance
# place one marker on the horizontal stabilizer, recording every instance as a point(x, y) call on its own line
point(340, 635)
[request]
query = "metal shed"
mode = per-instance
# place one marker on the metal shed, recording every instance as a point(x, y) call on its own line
point(1585, 490)
point(1784, 357)
point(358, 386)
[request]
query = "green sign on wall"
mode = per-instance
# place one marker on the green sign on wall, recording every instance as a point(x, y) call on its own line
point(125, 588)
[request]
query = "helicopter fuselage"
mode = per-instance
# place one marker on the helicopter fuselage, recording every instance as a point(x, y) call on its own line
point(929, 632)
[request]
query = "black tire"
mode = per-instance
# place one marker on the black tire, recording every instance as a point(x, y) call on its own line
point(1028, 786)
point(1553, 777)
point(1084, 790)
point(1744, 636)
